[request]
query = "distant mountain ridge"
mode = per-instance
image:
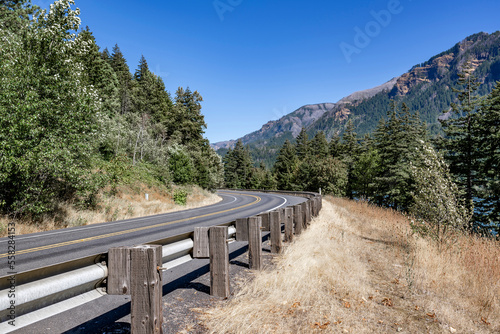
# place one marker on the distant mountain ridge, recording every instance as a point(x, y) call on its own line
point(426, 87)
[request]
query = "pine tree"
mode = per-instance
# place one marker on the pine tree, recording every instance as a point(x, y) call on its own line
point(349, 154)
point(122, 71)
point(285, 167)
point(238, 167)
point(190, 123)
point(335, 147)
point(488, 202)
point(395, 141)
point(302, 145)
point(319, 146)
point(460, 127)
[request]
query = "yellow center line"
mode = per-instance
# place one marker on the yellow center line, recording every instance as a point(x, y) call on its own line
point(97, 237)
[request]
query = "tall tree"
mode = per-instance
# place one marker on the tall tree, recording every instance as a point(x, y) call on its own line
point(319, 145)
point(488, 202)
point(285, 167)
point(460, 127)
point(238, 167)
point(302, 145)
point(396, 140)
point(190, 123)
point(122, 71)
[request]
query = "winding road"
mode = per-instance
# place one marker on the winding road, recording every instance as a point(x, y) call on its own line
point(47, 248)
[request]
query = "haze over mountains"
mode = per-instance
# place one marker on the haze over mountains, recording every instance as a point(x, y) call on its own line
point(426, 88)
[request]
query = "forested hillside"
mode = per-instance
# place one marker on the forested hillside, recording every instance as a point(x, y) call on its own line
point(445, 183)
point(426, 88)
point(74, 119)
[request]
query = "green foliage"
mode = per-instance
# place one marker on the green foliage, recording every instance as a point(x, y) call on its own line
point(48, 115)
point(180, 196)
point(460, 128)
point(238, 168)
point(437, 207)
point(285, 167)
point(488, 201)
point(181, 166)
point(74, 120)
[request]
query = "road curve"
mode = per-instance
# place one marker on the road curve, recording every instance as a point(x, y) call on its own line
point(46, 248)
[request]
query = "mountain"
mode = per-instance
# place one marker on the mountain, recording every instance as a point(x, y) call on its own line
point(426, 88)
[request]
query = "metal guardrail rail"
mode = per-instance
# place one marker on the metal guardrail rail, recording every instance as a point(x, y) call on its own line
point(47, 291)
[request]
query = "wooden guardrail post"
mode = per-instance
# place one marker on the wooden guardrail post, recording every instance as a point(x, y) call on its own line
point(265, 221)
point(118, 281)
point(303, 205)
point(308, 213)
point(297, 219)
point(200, 243)
point(242, 229)
point(288, 224)
point(219, 261)
point(275, 225)
point(255, 243)
point(146, 289)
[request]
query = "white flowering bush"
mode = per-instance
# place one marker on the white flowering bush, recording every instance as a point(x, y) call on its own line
point(437, 210)
point(48, 116)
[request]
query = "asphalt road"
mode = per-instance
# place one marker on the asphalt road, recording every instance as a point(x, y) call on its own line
point(46, 248)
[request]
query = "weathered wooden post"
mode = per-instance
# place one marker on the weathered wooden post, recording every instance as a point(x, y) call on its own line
point(265, 221)
point(201, 248)
point(288, 224)
point(275, 225)
point(308, 212)
point(242, 229)
point(146, 289)
point(118, 281)
point(297, 219)
point(304, 214)
point(255, 243)
point(219, 261)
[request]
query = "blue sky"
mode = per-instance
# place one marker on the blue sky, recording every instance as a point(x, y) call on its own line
point(257, 60)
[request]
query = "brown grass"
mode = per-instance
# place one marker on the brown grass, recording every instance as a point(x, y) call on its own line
point(359, 269)
point(129, 202)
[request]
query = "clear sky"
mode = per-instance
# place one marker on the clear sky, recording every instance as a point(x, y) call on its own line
point(257, 60)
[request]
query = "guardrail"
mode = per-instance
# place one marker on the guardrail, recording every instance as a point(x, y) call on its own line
point(47, 291)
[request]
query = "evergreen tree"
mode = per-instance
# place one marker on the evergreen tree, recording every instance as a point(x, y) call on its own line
point(302, 145)
point(319, 145)
point(396, 140)
point(488, 202)
point(238, 167)
point(122, 71)
point(335, 147)
point(349, 154)
point(285, 167)
point(190, 123)
point(460, 127)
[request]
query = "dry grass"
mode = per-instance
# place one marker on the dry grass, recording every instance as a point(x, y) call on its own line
point(129, 202)
point(359, 269)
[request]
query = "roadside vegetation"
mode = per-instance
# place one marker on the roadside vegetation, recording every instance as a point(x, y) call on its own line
point(77, 128)
point(360, 268)
point(399, 165)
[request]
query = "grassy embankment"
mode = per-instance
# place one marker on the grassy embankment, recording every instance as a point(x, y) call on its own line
point(360, 269)
point(125, 202)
